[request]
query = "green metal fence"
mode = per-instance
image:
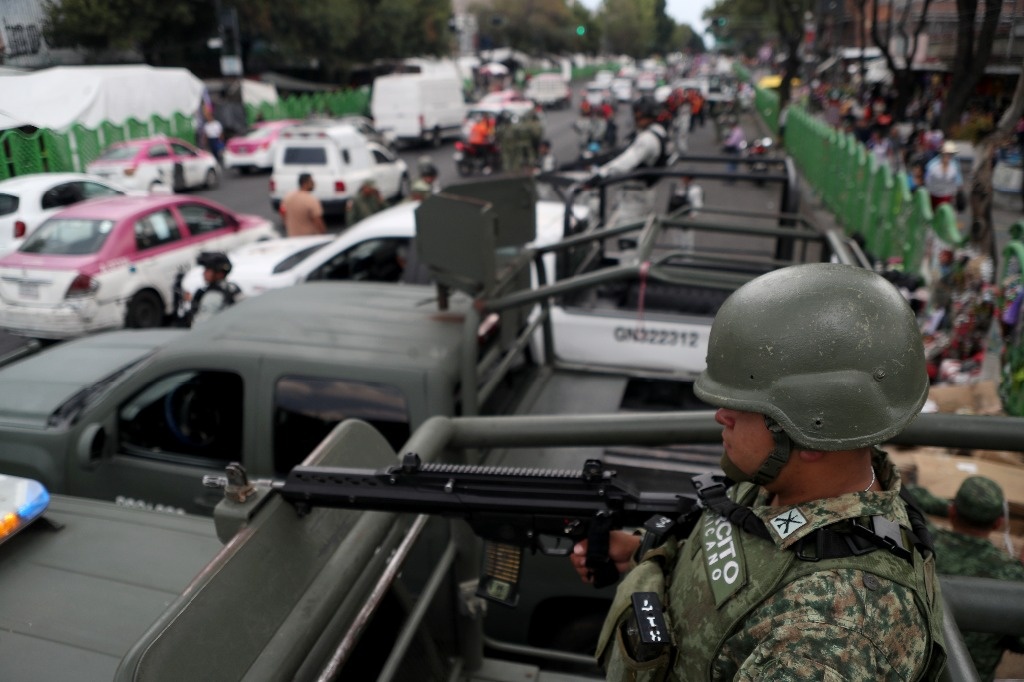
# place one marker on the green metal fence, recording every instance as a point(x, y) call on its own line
point(866, 197)
point(896, 224)
point(1011, 323)
point(51, 151)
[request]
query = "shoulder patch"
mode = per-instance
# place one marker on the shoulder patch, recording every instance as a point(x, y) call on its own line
point(789, 522)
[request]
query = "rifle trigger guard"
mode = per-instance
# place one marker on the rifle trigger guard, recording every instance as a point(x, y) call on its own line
point(600, 564)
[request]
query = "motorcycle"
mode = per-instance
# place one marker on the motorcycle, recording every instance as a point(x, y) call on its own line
point(759, 149)
point(474, 159)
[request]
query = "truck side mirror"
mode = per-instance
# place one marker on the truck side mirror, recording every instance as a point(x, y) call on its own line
point(91, 444)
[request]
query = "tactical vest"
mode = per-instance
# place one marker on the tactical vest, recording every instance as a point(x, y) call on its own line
point(201, 310)
point(721, 575)
point(662, 159)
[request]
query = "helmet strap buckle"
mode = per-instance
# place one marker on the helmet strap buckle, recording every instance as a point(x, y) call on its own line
point(778, 457)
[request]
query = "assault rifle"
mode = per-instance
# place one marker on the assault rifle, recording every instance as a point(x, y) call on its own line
point(510, 508)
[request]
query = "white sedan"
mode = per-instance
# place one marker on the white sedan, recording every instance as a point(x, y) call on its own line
point(376, 249)
point(27, 200)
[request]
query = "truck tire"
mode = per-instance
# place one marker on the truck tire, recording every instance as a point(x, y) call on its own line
point(145, 310)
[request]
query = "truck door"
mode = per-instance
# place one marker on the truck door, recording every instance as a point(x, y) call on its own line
point(167, 430)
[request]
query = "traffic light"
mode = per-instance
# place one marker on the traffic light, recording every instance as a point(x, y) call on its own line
point(581, 29)
point(721, 21)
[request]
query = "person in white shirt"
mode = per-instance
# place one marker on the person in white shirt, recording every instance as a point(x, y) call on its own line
point(942, 176)
point(213, 131)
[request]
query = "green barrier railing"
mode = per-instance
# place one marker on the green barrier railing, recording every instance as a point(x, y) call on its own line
point(1011, 379)
point(867, 197)
point(44, 151)
point(897, 224)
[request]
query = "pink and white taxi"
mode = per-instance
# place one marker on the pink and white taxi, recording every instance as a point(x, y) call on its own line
point(157, 163)
point(110, 263)
point(255, 149)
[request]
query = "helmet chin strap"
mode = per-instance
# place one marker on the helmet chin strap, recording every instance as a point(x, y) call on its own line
point(771, 467)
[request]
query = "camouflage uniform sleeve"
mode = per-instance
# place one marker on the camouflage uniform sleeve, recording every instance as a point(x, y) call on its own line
point(839, 624)
point(930, 504)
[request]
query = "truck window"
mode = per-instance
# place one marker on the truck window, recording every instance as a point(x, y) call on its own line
point(305, 156)
point(307, 408)
point(193, 416)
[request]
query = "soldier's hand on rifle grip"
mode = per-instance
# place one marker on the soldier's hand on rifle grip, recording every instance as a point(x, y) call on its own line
point(621, 547)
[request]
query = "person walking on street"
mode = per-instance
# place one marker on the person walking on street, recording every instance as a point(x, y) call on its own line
point(734, 143)
point(807, 562)
point(942, 176)
point(974, 514)
point(213, 131)
point(302, 211)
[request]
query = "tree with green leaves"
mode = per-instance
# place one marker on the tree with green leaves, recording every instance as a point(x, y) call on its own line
point(629, 27)
point(742, 26)
point(333, 35)
point(538, 27)
point(750, 26)
point(164, 32)
point(973, 48)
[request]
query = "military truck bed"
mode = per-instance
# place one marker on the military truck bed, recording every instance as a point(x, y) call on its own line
point(78, 591)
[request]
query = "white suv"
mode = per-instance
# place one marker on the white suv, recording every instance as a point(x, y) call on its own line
point(339, 158)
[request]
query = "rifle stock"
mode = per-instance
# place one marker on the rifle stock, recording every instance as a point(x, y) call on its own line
point(511, 508)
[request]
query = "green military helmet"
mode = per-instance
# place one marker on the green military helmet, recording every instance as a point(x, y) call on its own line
point(831, 352)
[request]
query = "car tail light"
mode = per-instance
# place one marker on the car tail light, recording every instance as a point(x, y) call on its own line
point(129, 171)
point(19, 229)
point(82, 285)
point(339, 186)
point(459, 146)
point(272, 186)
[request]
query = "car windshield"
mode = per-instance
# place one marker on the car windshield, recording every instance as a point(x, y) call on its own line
point(68, 237)
point(121, 152)
point(294, 259)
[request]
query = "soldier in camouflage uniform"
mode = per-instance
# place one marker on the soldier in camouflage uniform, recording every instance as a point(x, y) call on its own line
point(366, 202)
point(975, 513)
point(780, 577)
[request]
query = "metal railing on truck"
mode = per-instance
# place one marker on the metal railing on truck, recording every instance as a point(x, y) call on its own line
point(293, 598)
point(473, 237)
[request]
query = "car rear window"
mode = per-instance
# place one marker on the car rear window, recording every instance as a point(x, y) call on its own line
point(8, 204)
point(68, 237)
point(305, 155)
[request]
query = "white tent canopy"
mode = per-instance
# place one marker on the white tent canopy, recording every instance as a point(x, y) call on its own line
point(61, 96)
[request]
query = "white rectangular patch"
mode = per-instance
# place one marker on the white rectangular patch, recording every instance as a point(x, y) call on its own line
point(788, 523)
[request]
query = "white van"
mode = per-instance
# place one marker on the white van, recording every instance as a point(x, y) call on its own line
point(339, 158)
point(549, 90)
point(418, 107)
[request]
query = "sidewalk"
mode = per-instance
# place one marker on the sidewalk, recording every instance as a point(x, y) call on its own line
point(1005, 212)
